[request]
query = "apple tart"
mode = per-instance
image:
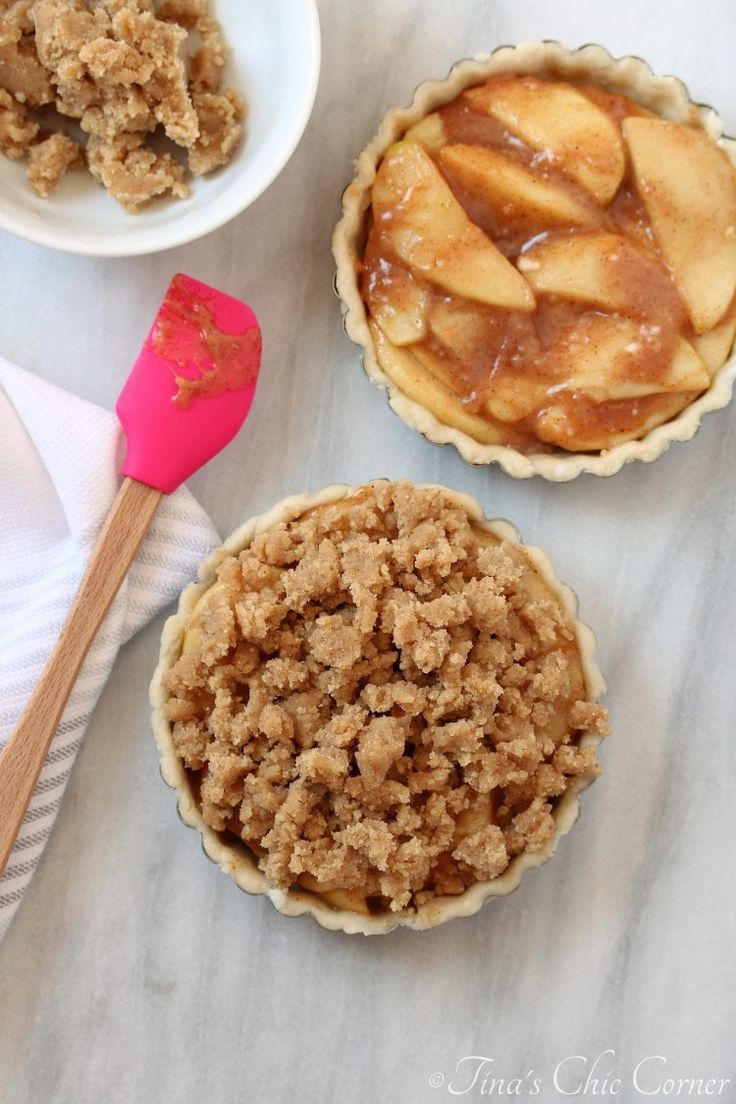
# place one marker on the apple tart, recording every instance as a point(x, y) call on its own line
point(538, 257)
point(378, 707)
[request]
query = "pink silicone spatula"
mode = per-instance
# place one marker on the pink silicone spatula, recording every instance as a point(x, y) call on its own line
point(188, 394)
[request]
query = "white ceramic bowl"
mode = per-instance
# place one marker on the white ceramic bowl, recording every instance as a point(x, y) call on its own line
point(274, 64)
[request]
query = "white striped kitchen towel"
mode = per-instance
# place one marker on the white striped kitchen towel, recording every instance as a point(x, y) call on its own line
point(59, 458)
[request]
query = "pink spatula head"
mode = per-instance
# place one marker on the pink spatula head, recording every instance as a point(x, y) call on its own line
point(192, 385)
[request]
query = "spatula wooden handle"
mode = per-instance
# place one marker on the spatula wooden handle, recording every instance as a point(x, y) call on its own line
point(24, 754)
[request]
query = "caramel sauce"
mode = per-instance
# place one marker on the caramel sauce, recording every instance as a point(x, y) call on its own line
point(511, 349)
point(187, 335)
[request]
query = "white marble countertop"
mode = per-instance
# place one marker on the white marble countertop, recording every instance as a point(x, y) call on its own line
point(134, 970)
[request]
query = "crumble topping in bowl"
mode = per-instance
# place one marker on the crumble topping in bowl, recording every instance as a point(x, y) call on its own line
point(123, 69)
point(383, 698)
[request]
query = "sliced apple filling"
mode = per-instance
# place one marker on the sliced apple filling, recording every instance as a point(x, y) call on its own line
point(551, 266)
point(431, 233)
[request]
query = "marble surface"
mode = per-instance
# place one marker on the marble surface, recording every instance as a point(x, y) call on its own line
point(135, 971)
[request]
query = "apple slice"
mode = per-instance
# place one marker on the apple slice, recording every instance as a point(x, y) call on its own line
point(441, 368)
point(602, 269)
point(715, 346)
point(400, 307)
point(429, 230)
point(429, 132)
point(506, 398)
point(556, 424)
point(579, 139)
point(353, 900)
point(603, 357)
point(460, 326)
point(688, 186)
point(515, 398)
point(472, 339)
point(480, 812)
point(414, 381)
point(514, 193)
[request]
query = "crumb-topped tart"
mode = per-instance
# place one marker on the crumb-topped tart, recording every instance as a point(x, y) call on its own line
point(378, 707)
point(539, 258)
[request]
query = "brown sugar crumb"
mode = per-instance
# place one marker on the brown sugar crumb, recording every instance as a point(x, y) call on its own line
point(49, 160)
point(157, 48)
point(133, 173)
point(187, 13)
point(21, 72)
point(206, 65)
point(125, 70)
point(220, 130)
point(17, 131)
point(382, 697)
point(484, 852)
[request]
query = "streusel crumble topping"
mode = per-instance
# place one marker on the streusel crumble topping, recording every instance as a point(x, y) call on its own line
point(381, 697)
point(127, 71)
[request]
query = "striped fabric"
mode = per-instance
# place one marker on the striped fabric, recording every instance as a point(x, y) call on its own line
point(59, 458)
